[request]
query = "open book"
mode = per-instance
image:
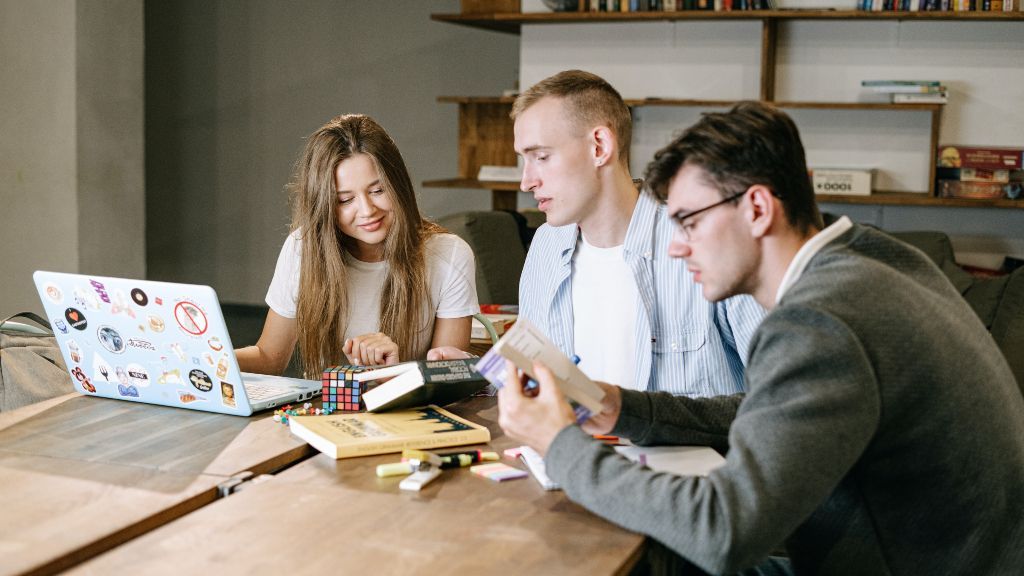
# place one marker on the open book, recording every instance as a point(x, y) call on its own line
point(419, 383)
point(523, 344)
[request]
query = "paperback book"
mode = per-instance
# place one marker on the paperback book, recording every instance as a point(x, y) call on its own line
point(524, 344)
point(366, 434)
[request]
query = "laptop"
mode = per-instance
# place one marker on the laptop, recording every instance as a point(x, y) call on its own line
point(157, 343)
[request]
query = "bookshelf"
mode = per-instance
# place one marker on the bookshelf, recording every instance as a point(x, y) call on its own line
point(485, 131)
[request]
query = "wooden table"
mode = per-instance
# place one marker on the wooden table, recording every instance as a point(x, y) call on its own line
point(329, 516)
point(80, 475)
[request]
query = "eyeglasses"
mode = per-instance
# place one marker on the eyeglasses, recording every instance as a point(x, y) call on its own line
point(686, 228)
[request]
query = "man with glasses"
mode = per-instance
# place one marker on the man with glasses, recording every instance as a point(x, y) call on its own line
point(597, 278)
point(882, 428)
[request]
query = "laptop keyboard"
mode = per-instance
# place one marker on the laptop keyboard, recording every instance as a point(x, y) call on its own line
point(261, 391)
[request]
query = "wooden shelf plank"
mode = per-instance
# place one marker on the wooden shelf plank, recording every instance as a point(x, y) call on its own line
point(918, 199)
point(681, 102)
point(511, 22)
point(877, 198)
point(471, 183)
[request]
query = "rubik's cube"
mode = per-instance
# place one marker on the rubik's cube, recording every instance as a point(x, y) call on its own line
point(340, 391)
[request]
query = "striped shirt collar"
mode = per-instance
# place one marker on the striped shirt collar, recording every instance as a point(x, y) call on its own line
point(808, 251)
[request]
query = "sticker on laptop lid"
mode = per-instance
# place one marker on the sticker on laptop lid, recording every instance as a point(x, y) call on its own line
point(190, 318)
point(227, 394)
point(53, 292)
point(110, 339)
point(200, 380)
point(139, 297)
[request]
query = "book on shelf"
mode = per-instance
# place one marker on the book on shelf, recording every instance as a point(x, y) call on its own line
point(500, 322)
point(985, 190)
point(364, 434)
point(489, 173)
point(846, 181)
point(907, 89)
point(524, 344)
point(978, 174)
point(934, 98)
point(875, 83)
point(421, 382)
point(989, 158)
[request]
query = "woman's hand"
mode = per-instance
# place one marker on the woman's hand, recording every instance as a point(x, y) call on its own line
point(448, 353)
point(375, 349)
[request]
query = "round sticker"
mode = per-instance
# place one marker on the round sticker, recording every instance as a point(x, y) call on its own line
point(139, 297)
point(200, 380)
point(110, 339)
point(215, 344)
point(53, 292)
point(156, 324)
point(190, 318)
point(75, 317)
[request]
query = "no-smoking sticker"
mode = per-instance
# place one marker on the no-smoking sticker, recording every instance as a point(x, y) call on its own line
point(190, 318)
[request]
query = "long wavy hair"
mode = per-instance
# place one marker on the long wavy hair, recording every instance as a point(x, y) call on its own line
point(323, 307)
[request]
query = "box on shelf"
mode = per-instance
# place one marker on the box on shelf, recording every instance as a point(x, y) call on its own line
point(985, 190)
point(847, 181)
point(989, 158)
point(489, 6)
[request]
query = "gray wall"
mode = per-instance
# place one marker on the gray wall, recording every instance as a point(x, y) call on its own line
point(232, 89)
point(71, 142)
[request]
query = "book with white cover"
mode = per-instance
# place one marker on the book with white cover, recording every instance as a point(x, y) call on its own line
point(525, 344)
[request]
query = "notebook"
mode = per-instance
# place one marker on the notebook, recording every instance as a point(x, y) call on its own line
point(156, 343)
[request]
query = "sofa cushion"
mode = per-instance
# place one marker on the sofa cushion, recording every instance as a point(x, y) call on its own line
point(495, 240)
point(1008, 325)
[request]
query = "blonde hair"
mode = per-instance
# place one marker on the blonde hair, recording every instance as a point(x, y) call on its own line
point(323, 312)
point(590, 100)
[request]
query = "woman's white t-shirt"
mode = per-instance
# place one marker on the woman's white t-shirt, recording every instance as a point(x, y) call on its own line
point(451, 280)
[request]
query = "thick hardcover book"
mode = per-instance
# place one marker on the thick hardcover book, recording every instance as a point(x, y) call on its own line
point(366, 434)
point(420, 383)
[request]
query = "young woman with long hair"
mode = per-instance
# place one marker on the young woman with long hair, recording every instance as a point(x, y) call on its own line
point(362, 278)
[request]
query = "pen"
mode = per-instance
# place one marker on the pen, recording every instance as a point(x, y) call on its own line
point(451, 459)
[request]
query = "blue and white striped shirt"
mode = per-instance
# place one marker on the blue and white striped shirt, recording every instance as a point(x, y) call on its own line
point(684, 344)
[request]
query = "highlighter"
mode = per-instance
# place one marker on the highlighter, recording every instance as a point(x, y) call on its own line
point(395, 469)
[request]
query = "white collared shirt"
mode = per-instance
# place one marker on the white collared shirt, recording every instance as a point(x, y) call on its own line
point(807, 251)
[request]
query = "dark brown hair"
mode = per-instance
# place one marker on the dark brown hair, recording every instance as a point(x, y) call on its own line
point(590, 100)
point(754, 143)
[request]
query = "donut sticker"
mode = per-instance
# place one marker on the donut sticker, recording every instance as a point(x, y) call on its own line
point(200, 380)
point(190, 318)
point(139, 297)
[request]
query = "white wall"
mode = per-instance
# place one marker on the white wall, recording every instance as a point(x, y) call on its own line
point(234, 87)
point(71, 187)
point(820, 61)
